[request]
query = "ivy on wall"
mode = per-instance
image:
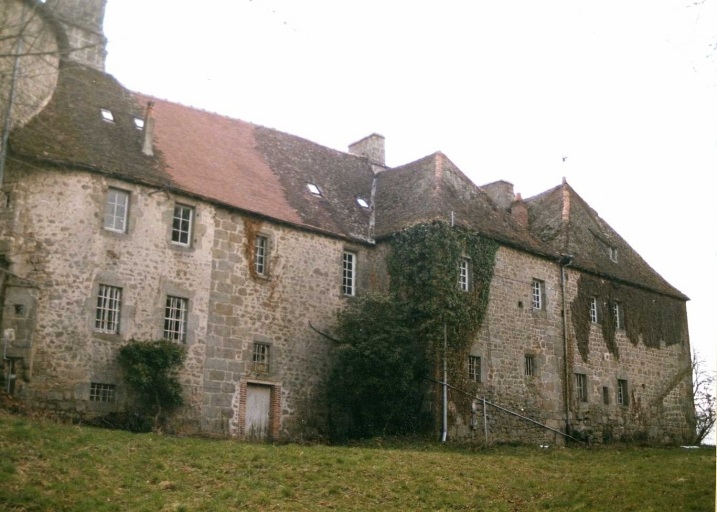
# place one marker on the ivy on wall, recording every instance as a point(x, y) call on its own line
point(396, 338)
point(648, 317)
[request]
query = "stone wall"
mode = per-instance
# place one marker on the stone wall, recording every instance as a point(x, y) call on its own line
point(59, 253)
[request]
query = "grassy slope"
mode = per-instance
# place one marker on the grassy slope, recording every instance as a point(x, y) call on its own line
point(47, 466)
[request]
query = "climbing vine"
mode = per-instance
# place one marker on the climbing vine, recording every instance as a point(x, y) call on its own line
point(648, 317)
point(404, 327)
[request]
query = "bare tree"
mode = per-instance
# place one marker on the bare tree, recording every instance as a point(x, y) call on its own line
point(703, 387)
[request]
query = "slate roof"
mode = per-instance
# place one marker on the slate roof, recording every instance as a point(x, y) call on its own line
point(564, 221)
point(266, 172)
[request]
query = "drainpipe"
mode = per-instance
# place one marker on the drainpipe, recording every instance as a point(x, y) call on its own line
point(565, 261)
point(445, 383)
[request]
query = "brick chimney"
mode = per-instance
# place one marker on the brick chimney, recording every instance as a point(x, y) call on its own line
point(519, 211)
point(82, 21)
point(372, 147)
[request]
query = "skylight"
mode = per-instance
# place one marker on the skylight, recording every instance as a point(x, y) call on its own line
point(313, 189)
point(139, 123)
point(107, 115)
point(362, 202)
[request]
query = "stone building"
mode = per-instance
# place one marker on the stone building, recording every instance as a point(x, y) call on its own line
point(125, 217)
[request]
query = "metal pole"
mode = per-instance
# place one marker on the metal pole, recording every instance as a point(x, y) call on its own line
point(485, 421)
point(445, 382)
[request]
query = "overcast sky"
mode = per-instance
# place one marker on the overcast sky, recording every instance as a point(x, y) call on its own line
point(626, 90)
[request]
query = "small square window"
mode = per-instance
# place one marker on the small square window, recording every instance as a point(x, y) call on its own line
point(182, 225)
point(464, 275)
point(102, 392)
point(581, 387)
point(538, 294)
point(139, 123)
point(261, 249)
point(313, 189)
point(474, 368)
point(175, 319)
point(107, 115)
point(107, 314)
point(116, 210)
point(348, 284)
point(362, 202)
point(594, 310)
point(622, 396)
point(530, 369)
point(260, 357)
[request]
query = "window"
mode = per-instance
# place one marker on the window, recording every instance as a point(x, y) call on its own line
point(606, 395)
point(622, 392)
point(107, 115)
point(107, 315)
point(581, 387)
point(313, 189)
point(175, 319)
point(260, 358)
point(529, 366)
point(538, 294)
point(618, 315)
point(362, 202)
point(116, 210)
point(260, 253)
point(594, 318)
point(613, 254)
point(182, 225)
point(474, 373)
point(464, 282)
point(102, 392)
point(139, 123)
point(348, 285)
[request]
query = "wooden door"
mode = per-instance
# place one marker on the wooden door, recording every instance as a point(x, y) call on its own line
point(258, 412)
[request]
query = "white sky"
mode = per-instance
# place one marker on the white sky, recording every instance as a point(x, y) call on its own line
point(626, 89)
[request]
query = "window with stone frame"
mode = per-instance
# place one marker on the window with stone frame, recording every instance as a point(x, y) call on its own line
point(107, 313)
point(116, 210)
point(581, 387)
point(182, 225)
point(622, 396)
point(348, 283)
point(618, 315)
point(260, 357)
point(175, 319)
point(530, 368)
point(538, 294)
point(594, 310)
point(261, 255)
point(474, 368)
point(100, 392)
point(464, 275)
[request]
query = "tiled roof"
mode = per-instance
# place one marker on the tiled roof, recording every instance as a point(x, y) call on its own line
point(434, 188)
point(563, 220)
point(264, 171)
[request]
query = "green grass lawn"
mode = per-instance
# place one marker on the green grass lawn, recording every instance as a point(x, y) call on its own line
point(49, 466)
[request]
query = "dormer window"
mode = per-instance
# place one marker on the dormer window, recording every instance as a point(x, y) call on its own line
point(313, 189)
point(613, 254)
point(362, 202)
point(139, 123)
point(107, 115)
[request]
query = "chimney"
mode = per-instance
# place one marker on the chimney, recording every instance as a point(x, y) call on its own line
point(519, 211)
point(148, 130)
point(372, 147)
point(82, 21)
point(501, 192)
